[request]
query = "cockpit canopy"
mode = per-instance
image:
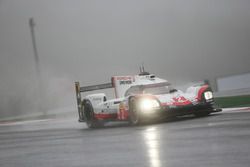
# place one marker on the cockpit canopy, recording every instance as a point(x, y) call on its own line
point(155, 89)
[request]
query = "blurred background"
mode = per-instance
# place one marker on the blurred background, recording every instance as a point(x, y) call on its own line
point(90, 41)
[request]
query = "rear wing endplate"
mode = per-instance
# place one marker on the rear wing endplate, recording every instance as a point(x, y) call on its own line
point(80, 90)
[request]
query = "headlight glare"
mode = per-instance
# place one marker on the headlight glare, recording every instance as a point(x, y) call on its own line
point(208, 95)
point(149, 105)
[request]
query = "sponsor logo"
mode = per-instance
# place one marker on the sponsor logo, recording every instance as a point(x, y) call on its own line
point(125, 82)
point(180, 99)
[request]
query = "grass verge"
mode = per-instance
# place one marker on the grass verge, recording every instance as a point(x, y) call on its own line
point(233, 101)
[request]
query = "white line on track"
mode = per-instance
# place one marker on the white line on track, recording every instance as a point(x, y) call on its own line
point(8, 123)
point(235, 110)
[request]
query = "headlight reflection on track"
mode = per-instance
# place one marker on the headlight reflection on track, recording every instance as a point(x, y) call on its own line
point(152, 145)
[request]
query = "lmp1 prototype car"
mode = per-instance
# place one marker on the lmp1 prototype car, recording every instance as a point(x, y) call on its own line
point(142, 97)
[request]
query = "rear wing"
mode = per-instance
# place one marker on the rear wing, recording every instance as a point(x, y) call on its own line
point(80, 90)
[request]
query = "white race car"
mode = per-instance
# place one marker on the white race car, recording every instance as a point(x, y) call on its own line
point(142, 97)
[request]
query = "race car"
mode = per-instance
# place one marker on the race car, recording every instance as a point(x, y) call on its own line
point(140, 98)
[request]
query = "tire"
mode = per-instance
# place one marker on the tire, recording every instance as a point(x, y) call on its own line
point(134, 113)
point(201, 114)
point(204, 113)
point(91, 121)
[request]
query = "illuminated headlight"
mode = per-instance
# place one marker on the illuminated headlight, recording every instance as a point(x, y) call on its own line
point(147, 105)
point(208, 95)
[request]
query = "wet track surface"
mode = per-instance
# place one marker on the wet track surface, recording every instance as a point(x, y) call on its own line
point(220, 140)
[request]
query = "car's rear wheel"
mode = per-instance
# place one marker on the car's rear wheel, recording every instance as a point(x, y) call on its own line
point(91, 121)
point(134, 112)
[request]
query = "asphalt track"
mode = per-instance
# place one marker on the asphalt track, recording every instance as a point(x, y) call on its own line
point(220, 140)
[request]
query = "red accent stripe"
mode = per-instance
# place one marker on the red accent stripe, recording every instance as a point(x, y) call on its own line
point(105, 116)
point(123, 114)
point(201, 91)
point(182, 103)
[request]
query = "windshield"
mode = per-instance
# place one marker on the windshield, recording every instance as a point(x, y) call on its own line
point(150, 90)
point(133, 90)
point(158, 90)
point(154, 89)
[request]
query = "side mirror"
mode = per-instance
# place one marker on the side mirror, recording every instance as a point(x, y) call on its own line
point(173, 90)
point(104, 99)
